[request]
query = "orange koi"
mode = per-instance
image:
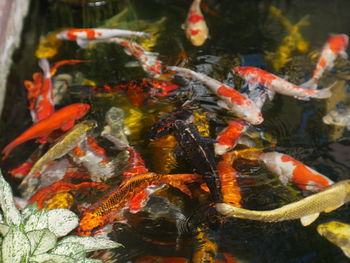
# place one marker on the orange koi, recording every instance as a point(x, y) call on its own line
point(227, 139)
point(62, 119)
point(195, 27)
point(256, 76)
point(46, 193)
point(228, 177)
point(109, 207)
point(288, 169)
point(335, 46)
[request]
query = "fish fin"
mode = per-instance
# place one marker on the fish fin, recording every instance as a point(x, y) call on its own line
point(223, 105)
point(310, 84)
point(302, 98)
point(307, 220)
point(127, 51)
point(330, 209)
point(45, 67)
point(323, 93)
point(83, 43)
point(343, 54)
point(67, 126)
point(346, 251)
point(42, 139)
point(270, 94)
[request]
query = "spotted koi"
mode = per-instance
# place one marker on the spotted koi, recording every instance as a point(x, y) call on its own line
point(288, 169)
point(230, 98)
point(256, 76)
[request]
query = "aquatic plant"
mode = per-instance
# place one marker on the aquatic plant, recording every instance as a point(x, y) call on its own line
point(34, 236)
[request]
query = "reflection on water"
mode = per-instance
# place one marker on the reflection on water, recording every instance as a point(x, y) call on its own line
point(241, 33)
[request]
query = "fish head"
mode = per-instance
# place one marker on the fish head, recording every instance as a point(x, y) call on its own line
point(89, 124)
point(254, 117)
point(336, 117)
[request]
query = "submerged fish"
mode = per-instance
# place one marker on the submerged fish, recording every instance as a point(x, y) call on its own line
point(230, 98)
point(335, 46)
point(288, 169)
point(339, 117)
point(65, 144)
point(195, 27)
point(98, 33)
point(338, 233)
point(62, 119)
point(307, 209)
point(256, 76)
point(48, 45)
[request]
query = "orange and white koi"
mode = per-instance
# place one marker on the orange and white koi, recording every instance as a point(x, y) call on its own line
point(288, 169)
point(230, 98)
point(195, 27)
point(256, 76)
point(94, 158)
point(148, 60)
point(40, 92)
point(79, 34)
point(227, 139)
point(335, 46)
point(136, 164)
point(62, 119)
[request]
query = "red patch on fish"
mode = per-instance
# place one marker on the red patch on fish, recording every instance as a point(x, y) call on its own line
point(232, 94)
point(195, 18)
point(230, 135)
point(194, 32)
point(302, 175)
point(90, 33)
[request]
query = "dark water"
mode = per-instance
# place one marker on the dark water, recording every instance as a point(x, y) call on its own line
point(240, 33)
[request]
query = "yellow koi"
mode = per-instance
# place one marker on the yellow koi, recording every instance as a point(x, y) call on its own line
point(307, 209)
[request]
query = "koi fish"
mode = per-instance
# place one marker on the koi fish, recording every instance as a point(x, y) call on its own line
point(46, 193)
point(338, 233)
point(40, 91)
point(147, 60)
point(307, 209)
point(62, 119)
point(106, 210)
point(79, 34)
point(48, 45)
point(230, 98)
point(288, 169)
point(335, 46)
point(65, 144)
point(195, 27)
point(339, 117)
point(115, 125)
point(228, 138)
point(135, 163)
point(255, 76)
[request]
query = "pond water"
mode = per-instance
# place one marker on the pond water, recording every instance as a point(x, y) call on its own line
point(241, 33)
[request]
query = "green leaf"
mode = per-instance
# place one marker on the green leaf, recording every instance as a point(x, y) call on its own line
point(73, 250)
point(36, 221)
point(41, 241)
point(62, 221)
point(28, 211)
point(11, 213)
point(15, 247)
point(91, 243)
point(4, 229)
point(51, 258)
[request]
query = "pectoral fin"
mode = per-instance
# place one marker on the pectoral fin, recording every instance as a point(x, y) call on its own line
point(346, 251)
point(223, 105)
point(307, 220)
point(330, 209)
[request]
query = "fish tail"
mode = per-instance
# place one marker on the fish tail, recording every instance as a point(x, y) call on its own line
point(45, 66)
point(323, 93)
point(6, 151)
